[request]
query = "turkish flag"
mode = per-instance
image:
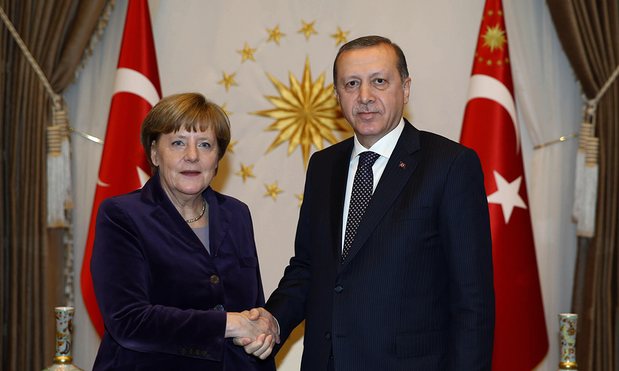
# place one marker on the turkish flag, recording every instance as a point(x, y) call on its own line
point(124, 167)
point(491, 129)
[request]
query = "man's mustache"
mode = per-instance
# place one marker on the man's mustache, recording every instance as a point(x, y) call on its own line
point(365, 109)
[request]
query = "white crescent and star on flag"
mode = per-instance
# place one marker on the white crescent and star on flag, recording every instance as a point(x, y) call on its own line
point(134, 82)
point(508, 193)
point(484, 86)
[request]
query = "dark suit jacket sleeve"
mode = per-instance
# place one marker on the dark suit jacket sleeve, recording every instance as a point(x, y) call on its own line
point(123, 278)
point(465, 225)
point(287, 303)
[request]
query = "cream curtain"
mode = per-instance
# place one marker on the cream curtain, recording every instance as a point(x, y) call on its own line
point(548, 102)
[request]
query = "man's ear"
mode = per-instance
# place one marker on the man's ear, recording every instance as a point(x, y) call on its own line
point(407, 89)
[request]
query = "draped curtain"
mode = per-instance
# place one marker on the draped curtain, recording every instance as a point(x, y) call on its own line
point(589, 33)
point(57, 33)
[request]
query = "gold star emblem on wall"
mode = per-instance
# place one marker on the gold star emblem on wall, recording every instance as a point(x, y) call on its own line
point(272, 190)
point(231, 146)
point(300, 198)
point(340, 36)
point(494, 38)
point(224, 107)
point(305, 113)
point(247, 53)
point(307, 29)
point(228, 80)
point(246, 172)
point(275, 34)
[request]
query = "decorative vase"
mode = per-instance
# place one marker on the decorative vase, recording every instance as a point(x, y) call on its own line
point(567, 333)
point(63, 360)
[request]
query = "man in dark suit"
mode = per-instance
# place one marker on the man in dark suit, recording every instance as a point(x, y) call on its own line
point(406, 283)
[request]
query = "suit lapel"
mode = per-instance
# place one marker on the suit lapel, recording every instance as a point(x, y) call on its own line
point(339, 176)
point(398, 171)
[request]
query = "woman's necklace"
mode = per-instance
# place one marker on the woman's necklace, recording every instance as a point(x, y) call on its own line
point(195, 219)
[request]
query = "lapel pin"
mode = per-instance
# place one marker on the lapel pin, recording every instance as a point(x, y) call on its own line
point(402, 165)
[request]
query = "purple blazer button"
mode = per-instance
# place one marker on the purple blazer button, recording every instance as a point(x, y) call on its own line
point(214, 279)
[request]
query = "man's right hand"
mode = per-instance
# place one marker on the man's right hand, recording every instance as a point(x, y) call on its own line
point(262, 345)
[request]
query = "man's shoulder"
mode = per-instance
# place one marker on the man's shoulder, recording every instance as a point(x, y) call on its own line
point(437, 143)
point(338, 149)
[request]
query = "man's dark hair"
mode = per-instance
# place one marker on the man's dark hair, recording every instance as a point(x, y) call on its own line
point(369, 41)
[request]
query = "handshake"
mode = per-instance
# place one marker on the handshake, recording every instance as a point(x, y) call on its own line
point(256, 330)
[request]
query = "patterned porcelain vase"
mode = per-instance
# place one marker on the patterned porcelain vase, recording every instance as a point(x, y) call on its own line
point(567, 333)
point(63, 360)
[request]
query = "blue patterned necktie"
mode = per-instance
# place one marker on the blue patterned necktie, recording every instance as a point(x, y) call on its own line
point(359, 198)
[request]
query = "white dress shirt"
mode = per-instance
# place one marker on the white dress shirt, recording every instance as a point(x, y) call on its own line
point(384, 147)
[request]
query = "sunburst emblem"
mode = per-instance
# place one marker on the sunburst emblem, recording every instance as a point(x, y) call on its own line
point(305, 113)
point(494, 38)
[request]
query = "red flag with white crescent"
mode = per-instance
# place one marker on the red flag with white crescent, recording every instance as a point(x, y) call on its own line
point(124, 166)
point(491, 129)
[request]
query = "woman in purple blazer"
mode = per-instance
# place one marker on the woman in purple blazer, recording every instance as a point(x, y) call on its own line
point(174, 264)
